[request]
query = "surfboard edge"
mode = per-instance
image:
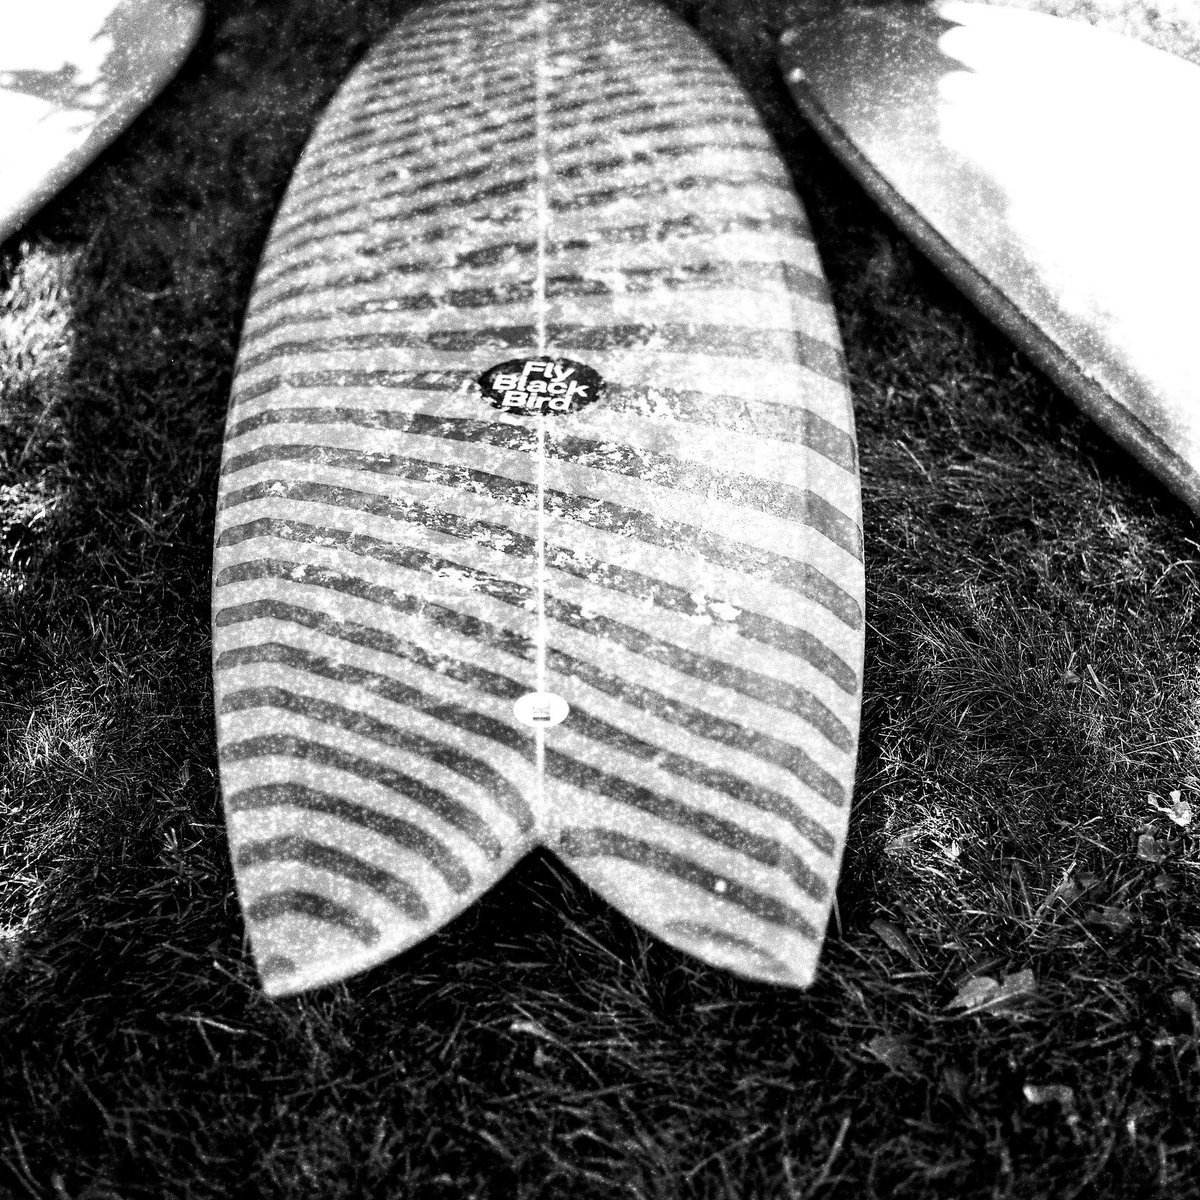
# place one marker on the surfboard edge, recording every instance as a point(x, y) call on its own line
point(113, 124)
point(1146, 446)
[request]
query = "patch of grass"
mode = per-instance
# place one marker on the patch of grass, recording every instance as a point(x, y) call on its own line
point(1032, 681)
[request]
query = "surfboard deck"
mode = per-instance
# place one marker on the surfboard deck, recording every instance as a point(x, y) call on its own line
point(539, 516)
point(73, 75)
point(1048, 168)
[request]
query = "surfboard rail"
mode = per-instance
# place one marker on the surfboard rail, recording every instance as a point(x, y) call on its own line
point(1020, 202)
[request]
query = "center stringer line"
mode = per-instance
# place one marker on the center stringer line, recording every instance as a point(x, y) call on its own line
point(542, 178)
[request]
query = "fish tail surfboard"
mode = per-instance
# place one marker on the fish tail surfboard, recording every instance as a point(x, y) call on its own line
point(539, 516)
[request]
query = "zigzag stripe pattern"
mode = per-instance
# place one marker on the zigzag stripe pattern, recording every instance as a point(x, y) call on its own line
point(398, 562)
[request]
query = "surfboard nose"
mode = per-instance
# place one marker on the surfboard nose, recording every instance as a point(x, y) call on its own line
point(72, 77)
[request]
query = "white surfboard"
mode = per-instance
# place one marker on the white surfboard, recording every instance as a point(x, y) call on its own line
point(1052, 170)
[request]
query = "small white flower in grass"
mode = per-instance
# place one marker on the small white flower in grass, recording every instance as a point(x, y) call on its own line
point(1179, 810)
point(1054, 1093)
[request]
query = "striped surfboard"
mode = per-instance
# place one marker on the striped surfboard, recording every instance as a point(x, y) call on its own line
point(539, 516)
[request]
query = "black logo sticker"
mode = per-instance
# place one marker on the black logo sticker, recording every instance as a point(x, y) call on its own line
point(527, 386)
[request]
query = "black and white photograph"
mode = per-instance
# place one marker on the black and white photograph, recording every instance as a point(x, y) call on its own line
point(600, 599)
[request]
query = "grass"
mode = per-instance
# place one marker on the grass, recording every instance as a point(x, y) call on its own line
point(1032, 683)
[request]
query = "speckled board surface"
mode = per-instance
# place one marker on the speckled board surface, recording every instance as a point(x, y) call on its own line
point(73, 75)
point(539, 513)
point(1050, 169)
